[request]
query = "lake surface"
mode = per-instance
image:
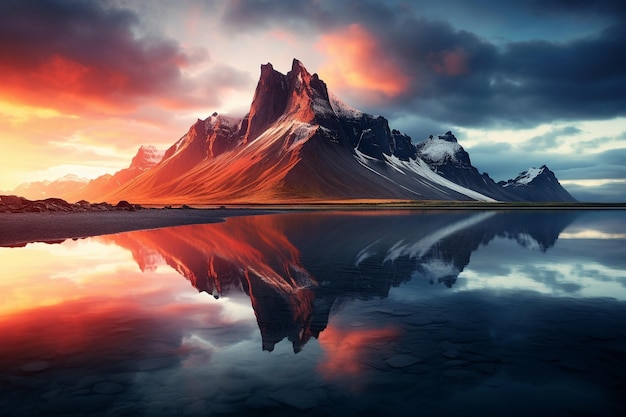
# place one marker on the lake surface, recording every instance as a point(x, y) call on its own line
point(393, 313)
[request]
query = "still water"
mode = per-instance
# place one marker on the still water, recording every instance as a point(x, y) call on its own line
point(363, 313)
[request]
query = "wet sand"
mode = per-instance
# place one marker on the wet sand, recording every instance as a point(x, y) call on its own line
point(18, 229)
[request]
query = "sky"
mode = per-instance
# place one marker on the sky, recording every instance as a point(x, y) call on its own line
point(84, 83)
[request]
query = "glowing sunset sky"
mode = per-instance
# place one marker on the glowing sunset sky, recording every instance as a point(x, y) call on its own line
point(84, 83)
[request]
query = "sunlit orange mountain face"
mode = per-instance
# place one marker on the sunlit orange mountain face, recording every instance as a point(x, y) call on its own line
point(270, 258)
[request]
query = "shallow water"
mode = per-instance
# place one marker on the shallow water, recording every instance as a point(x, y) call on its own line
point(363, 313)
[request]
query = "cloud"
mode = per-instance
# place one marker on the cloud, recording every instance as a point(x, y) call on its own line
point(608, 192)
point(551, 139)
point(257, 15)
point(456, 75)
point(579, 7)
point(78, 55)
point(356, 61)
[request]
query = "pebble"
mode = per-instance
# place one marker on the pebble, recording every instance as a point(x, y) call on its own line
point(402, 361)
point(456, 362)
point(106, 387)
point(550, 357)
point(574, 364)
point(151, 364)
point(257, 402)
point(35, 366)
point(458, 373)
point(25, 382)
point(53, 393)
point(302, 400)
point(451, 354)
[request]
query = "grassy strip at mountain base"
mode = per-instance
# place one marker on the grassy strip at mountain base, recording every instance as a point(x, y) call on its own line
point(419, 205)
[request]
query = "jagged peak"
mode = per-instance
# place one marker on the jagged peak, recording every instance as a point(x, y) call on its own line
point(267, 71)
point(147, 156)
point(342, 109)
point(448, 137)
point(528, 176)
point(297, 95)
point(298, 66)
point(441, 148)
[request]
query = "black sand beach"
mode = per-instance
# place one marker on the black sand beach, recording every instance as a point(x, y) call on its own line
point(18, 229)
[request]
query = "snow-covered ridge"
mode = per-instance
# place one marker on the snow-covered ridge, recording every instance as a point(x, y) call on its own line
point(73, 177)
point(526, 177)
point(418, 249)
point(420, 168)
point(151, 154)
point(342, 109)
point(529, 175)
point(438, 150)
point(147, 156)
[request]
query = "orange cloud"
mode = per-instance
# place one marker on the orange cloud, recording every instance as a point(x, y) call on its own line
point(451, 63)
point(346, 349)
point(357, 61)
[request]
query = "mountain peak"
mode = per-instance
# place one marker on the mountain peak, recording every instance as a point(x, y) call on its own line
point(297, 95)
point(147, 156)
point(297, 65)
point(529, 175)
point(448, 137)
point(443, 149)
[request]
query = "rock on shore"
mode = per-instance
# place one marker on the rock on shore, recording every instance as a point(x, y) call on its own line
point(16, 204)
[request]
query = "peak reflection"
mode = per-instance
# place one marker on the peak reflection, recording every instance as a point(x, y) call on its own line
point(297, 268)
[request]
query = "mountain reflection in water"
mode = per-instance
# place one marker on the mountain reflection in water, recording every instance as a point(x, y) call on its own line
point(297, 267)
point(446, 312)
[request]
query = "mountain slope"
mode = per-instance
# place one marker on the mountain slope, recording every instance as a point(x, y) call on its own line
point(297, 143)
point(537, 184)
point(447, 157)
point(59, 188)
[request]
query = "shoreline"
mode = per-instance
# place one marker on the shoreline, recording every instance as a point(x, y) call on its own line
point(19, 229)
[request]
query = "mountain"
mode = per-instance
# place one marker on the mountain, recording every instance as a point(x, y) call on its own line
point(447, 158)
point(59, 188)
point(297, 143)
point(74, 188)
point(299, 268)
point(146, 157)
point(537, 184)
point(301, 143)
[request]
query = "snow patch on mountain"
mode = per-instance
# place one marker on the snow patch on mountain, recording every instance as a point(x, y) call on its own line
point(436, 149)
point(342, 109)
point(367, 162)
point(529, 175)
point(526, 177)
point(421, 247)
point(435, 269)
point(527, 241)
point(421, 168)
point(73, 177)
point(321, 107)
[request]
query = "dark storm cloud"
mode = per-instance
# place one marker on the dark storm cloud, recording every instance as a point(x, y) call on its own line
point(461, 78)
point(523, 84)
point(254, 15)
point(77, 51)
point(582, 7)
point(610, 192)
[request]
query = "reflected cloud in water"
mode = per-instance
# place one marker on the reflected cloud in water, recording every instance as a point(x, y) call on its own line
point(381, 307)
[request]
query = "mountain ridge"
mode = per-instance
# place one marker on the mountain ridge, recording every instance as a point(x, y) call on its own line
point(300, 143)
